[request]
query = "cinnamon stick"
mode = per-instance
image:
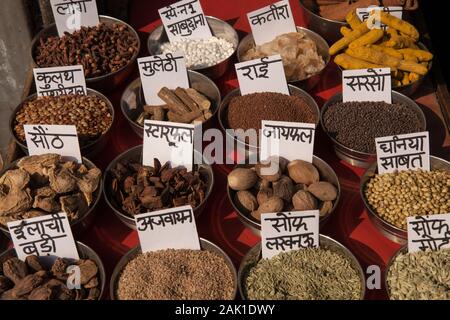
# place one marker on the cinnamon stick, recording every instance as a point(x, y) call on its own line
point(199, 98)
point(173, 102)
point(184, 118)
point(187, 100)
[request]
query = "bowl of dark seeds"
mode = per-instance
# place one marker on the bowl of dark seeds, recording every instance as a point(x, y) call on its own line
point(107, 51)
point(329, 272)
point(131, 188)
point(37, 279)
point(206, 274)
point(353, 126)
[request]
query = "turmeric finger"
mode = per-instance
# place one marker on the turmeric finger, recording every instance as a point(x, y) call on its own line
point(412, 67)
point(349, 63)
point(396, 23)
point(405, 79)
point(421, 55)
point(353, 19)
point(389, 51)
point(410, 57)
point(369, 38)
point(342, 43)
point(413, 77)
point(345, 31)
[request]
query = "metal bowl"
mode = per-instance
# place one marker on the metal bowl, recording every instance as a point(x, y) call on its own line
point(80, 225)
point(136, 154)
point(326, 174)
point(254, 255)
point(328, 29)
point(90, 149)
point(219, 29)
point(104, 83)
point(390, 231)
point(130, 255)
point(358, 158)
point(248, 148)
point(402, 250)
point(132, 101)
point(322, 48)
point(84, 252)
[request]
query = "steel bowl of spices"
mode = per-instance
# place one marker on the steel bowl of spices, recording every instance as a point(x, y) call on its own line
point(206, 274)
point(353, 126)
point(212, 57)
point(392, 197)
point(293, 186)
point(199, 103)
point(247, 111)
point(37, 279)
point(93, 115)
point(34, 186)
point(131, 188)
point(304, 67)
point(330, 272)
point(107, 52)
point(422, 275)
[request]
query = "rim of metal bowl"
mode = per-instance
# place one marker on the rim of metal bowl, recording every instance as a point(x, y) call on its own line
point(89, 164)
point(318, 16)
point(235, 47)
point(338, 97)
point(256, 250)
point(401, 250)
point(257, 225)
point(223, 106)
point(137, 82)
point(122, 215)
point(102, 18)
point(12, 119)
point(132, 253)
point(308, 32)
point(365, 179)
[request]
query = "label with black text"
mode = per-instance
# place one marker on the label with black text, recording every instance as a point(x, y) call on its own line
point(71, 15)
point(367, 85)
point(57, 81)
point(428, 232)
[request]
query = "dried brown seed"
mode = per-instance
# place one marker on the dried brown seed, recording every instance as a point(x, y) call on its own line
point(246, 200)
point(303, 200)
point(273, 204)
point(325, 208)
point(303, 172)
point(15, 269)
point(242, 179)
point(283, 188)
point(323, 191)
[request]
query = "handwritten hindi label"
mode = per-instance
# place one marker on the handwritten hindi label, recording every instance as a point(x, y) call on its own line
point(168, 141)
point(403, 152)
point(364, 14)
point(164, 70)
point(262, 75)
point(290, 140)
point(428, 232)
point(71, 15)
point(271, 21)
point(56, 81)
point(47, 236)
point(168, 229)
point(367, 85)
point(185, 19)
point(287, 231)
point(60, 139)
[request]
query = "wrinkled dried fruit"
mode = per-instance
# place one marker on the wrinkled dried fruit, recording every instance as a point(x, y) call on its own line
point(323, 191)
point(93, 283)
point(303, 172)
point(59, 269)
point(94, 294)
point(33, 263)
point(5, 284)
point(325, 208)
point(15, 269)
point(269, 170)
point(273, 204)
point(283, 188)
point(29, 283)
point(242, 179)
point(303, 200)
point(264, 195)
point(88, 270)
point(41, 293)
point(246, 200)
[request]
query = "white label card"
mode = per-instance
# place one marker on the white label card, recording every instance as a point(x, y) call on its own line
point(403, 152)
point(287, 231)
point(57, 81)
point(71, 15)
point(164, 70)
point(271, 21)
point(262, 75)
point(46, 236)
point(364, 13)
point(367, 85)
point(428, 232)
point(60, 139)
point(185, 19)
point(168, 229)
point(168, 141)
point(290, 140)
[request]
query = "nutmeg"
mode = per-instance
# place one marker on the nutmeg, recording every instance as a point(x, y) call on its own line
point(256, 214)
point(303, 200)
point(246, 200)
point(303, 172)
point(323, 191)
point(269, 170)
point(273, 204)
point(325, 208)
point(242, 179)
point(283, 188)
point(264, 195)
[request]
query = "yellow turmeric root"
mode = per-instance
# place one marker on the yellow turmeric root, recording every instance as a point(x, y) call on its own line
point(389, 51)
point(369, 38)
point(413, 77)
point(350, 63)
point(345, 31)
point(421, 55)
point(396, 23)
point(342, 43)
point(353, 19)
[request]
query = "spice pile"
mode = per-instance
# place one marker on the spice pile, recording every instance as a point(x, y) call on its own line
point(307, 274)
point(30, 280)
point(139, 189)
point(357, 124)
point(182, 106)
point(396, 196)
point(291, 186)
point(298, 52)
point(247, 111)
point(200, 53)
point(420, 276)
point(90, 114)
point(101, 50)
point(45, 184)
point(176, 275)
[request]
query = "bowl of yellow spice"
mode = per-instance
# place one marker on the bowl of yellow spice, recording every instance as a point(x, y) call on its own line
point(363, 46)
